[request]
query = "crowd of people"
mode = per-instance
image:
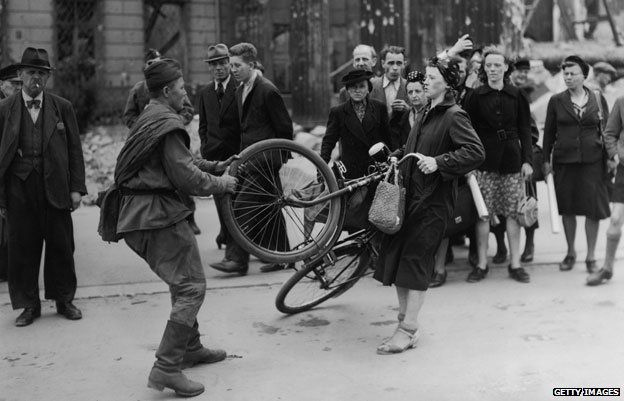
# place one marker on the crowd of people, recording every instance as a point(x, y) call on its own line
point(467, 114)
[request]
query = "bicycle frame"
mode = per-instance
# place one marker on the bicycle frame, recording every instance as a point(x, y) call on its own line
point(351, 185)
point(363, 237)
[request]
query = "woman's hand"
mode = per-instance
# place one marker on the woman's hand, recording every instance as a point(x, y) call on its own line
point(221, 166)
point(427, 164)
point(527, 171)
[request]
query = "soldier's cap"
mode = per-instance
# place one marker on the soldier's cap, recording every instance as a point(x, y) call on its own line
point(9, 73)
point(161, 72)
point(217, 52)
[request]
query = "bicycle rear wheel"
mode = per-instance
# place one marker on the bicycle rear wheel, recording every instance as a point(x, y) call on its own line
point(260, 216)
point(324, 278)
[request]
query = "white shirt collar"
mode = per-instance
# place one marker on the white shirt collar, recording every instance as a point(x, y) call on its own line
point(225, 83)
point(28, 98)
point(385, 82)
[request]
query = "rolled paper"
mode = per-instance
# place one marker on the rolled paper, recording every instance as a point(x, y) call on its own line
point(555, 222)
point(477, 197)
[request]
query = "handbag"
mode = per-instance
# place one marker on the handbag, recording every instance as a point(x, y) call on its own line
point(388, 208)
point(527, 208)
point(464, 213)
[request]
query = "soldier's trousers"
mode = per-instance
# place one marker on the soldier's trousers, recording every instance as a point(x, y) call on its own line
point(172, 253)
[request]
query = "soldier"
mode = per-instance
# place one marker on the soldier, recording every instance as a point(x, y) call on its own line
point(138, 99)
point(153, 168)
point(42, 180)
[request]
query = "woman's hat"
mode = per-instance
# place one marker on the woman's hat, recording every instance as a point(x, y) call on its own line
point(579, 61)
point(35, 58)
point(355, 76)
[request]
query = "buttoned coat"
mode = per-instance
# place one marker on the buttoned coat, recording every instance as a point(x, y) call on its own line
point(355, 137)
point(63, 162)
point(219, 125)
point(569, 138)
point(264, 114)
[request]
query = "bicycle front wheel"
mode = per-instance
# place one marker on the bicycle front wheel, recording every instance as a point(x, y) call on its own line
point(324, 278)
point(261, 216)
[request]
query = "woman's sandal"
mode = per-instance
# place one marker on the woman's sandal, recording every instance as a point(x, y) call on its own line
point(388, 349)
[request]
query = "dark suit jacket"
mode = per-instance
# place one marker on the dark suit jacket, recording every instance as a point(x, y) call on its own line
point(219, 126)
point(570, 139)
point(355, 137)
point(264, 114)
point(63, 163)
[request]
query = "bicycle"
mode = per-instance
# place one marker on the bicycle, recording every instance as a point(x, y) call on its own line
point(280, 180)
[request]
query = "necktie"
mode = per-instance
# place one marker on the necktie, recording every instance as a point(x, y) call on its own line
point(220, 92)
point(36, 103)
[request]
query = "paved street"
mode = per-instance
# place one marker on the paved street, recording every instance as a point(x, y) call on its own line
point(494, 340)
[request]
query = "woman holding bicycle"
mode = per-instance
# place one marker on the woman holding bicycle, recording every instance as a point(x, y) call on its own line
point(448, 147)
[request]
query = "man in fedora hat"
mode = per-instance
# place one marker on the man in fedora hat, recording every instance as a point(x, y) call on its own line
point(138, 98)
point(10, 83)
point(219, 128)
point(42, 180)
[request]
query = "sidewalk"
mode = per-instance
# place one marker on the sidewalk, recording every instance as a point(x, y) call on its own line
point(493, 340)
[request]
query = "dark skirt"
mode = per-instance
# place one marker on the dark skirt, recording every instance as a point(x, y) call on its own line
point(581, 190)
point(407, 258)
point(617, 195)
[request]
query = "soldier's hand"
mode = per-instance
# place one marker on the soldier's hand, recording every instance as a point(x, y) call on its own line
point(222, 166)
point(230, 183)
point(75, 200)
point(3, 212)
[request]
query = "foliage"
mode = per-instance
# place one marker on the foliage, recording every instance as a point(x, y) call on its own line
point(75, 81)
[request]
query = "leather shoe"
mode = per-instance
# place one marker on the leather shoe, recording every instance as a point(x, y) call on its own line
point(438, 279)
point(591, 266)
point(219, 265)
point(273, 267)
point(231, 266)
point(567, 263)
point(500, 256)
point(28, 316)
point(477, 274)
point(519, 274)
point(68, 310)
point(599, 277)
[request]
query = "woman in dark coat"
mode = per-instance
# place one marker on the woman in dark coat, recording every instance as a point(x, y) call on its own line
point(448, 147)
point(501, 116)
point(358, 124)
point(573, 134)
